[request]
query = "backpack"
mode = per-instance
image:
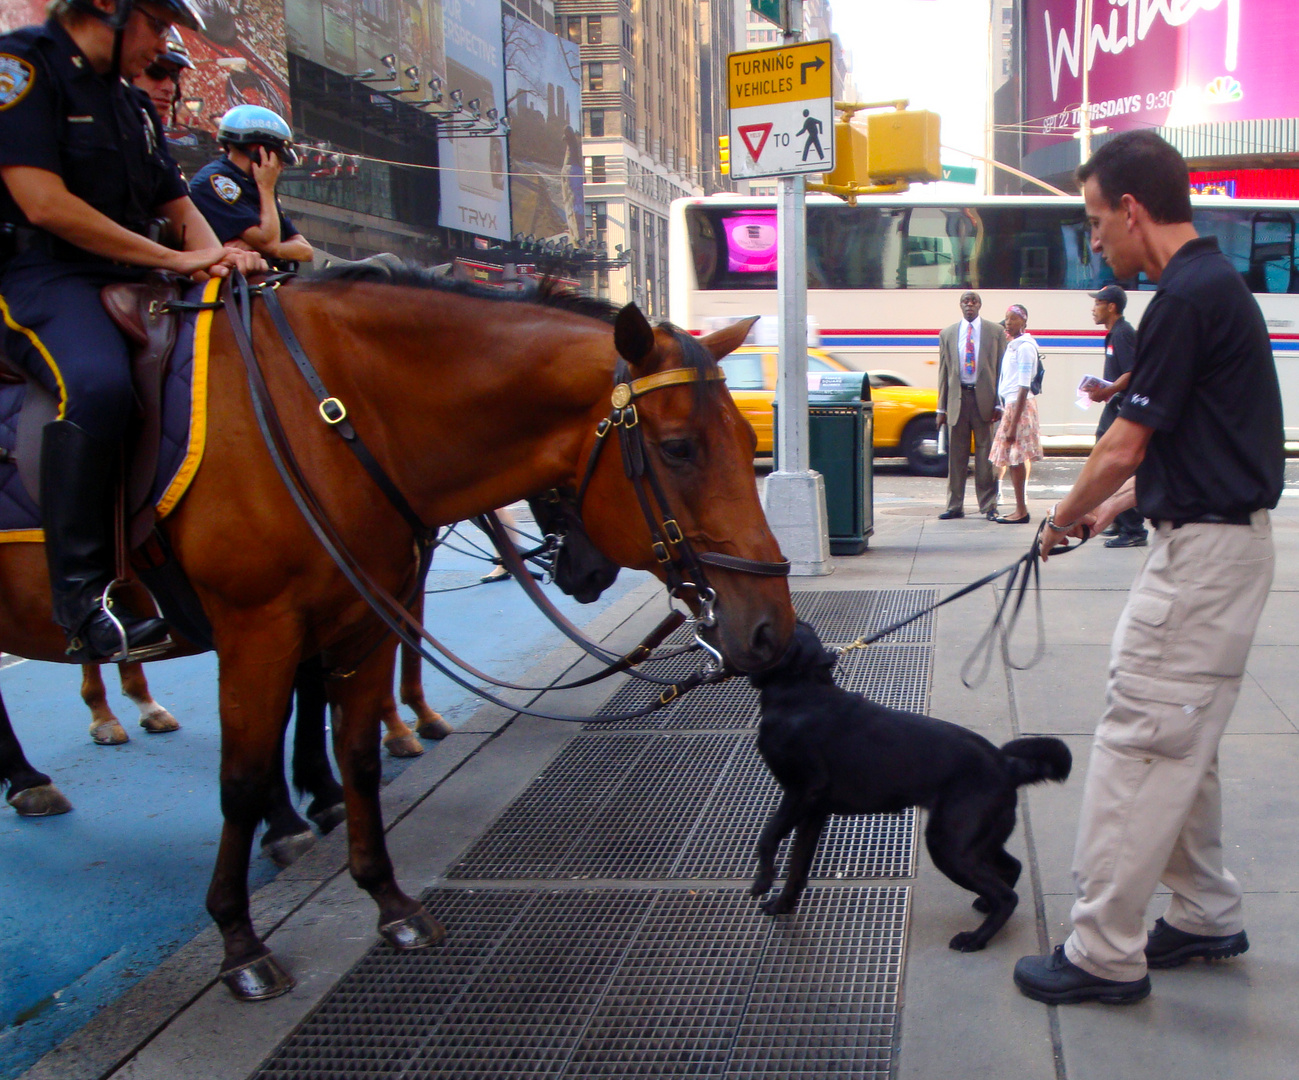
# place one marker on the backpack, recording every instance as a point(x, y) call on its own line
point(1036, 384)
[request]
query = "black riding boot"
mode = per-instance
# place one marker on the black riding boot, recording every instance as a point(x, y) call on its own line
point(76, 497)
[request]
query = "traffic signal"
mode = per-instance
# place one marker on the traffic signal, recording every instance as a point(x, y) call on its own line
point(724, 153)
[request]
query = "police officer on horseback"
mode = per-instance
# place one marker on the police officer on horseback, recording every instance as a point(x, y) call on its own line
point(161, 79)
point(86, 178)
point(236, 193)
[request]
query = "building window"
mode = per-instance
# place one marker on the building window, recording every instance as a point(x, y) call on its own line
point(595, 123)
point(627, 41)
point(595, 76)
point(594, 30)
point(575, 29)
point(597, 170)
point(629, 126)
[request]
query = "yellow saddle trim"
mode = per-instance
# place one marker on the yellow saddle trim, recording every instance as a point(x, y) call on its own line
point(198, 407)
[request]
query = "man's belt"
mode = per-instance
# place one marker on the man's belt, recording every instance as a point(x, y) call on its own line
point(1205, 519)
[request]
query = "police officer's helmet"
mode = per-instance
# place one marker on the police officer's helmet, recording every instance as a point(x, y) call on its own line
point(177, 54)
point(184, 12)
point(252, 125)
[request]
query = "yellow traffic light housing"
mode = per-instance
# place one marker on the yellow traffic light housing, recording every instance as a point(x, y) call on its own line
point(724, 154)
point(903, 146)
point(897, 147)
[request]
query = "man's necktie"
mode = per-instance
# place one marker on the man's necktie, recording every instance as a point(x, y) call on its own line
point(967, 363)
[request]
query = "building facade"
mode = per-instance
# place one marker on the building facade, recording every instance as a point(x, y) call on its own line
point(641, 132)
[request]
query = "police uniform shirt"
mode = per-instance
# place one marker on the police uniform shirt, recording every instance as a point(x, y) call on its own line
point(229, 199)
point(1204, 379)
point(101, 136)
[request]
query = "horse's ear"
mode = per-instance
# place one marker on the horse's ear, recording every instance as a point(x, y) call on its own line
point(722, 342)
point(633, 336)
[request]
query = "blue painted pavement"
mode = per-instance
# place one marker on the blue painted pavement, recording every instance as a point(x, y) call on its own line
point(90, 902)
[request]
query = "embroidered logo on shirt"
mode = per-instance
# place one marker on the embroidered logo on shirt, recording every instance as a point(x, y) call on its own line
point(226, 188)
point(16, 78)
point(1139, 399)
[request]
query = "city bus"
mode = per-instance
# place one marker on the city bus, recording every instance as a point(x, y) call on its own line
point(885, 276)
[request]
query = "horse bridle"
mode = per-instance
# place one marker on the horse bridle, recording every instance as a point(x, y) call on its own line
point(683, 567)
point(395, 615)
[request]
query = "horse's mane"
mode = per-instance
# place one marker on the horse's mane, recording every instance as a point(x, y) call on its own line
point(393, 271)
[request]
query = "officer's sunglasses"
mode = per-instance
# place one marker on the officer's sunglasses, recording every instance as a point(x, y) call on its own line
point(157, 25)
point(157, 72)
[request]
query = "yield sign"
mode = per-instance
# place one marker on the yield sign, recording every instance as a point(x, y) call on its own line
point(755, 137)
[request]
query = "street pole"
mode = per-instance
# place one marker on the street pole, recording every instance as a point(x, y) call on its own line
point(794, 495)
point(1085, 128)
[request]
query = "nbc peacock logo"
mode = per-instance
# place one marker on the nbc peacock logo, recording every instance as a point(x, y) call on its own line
point(1223, 90)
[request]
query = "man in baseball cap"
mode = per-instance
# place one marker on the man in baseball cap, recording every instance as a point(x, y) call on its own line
point(1129, 528)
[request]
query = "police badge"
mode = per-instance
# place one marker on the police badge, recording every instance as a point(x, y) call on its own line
point(16, 77)
point(226, 188)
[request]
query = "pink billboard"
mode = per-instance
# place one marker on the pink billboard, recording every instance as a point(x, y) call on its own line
point(1156, 63)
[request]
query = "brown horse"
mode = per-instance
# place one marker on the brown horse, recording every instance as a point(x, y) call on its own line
point(468, 402)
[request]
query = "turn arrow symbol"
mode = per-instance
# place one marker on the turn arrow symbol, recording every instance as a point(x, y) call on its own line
point(815, 65)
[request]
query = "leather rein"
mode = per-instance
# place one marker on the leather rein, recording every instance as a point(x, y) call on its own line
point(682, 565)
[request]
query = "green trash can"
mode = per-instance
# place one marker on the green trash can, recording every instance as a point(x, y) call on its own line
point(841, 431)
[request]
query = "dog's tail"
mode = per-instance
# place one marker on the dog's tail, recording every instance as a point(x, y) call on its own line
point(1036, 758)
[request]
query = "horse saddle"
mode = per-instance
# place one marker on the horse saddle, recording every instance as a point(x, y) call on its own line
point(141, 312)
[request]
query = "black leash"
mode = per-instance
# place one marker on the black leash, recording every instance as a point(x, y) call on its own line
point(1027, 568)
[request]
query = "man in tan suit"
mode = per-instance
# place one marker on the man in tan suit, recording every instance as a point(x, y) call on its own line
point(969, 365)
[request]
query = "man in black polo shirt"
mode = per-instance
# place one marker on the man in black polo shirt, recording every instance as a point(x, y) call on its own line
point(1129, 527)
point(1200, 433)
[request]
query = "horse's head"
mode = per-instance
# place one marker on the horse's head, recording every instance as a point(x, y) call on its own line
point(699, 450)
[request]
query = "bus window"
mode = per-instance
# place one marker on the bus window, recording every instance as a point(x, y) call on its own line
point(1271, 253)
point(939, 246)
point(854, 247)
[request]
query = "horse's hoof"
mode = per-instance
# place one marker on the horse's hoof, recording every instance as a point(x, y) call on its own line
point(418, 931)
point(432, 726)
point(329, 818)
point(258, 979)
point(109, 733)
point(45, 800)
point(289, 849)
point(403, 745)
point(159, 722)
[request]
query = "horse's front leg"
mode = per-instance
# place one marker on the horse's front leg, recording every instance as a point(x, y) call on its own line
point(153, 717)
point(29, 792)
point(360, 698)
point(254, 696)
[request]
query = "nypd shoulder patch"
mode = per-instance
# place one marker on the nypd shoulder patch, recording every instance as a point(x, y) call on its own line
point(226, 188)
point(16, 78)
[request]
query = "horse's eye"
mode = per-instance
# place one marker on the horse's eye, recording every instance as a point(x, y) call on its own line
point(678, 451)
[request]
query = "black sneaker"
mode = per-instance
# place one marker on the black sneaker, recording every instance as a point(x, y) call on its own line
point(1169, 947)
point(1055, 981)
point(1127, 540)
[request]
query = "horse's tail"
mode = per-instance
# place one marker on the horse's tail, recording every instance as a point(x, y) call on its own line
point(1036, 758)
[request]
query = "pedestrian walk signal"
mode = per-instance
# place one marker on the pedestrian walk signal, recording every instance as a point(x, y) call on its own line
point(724, 153)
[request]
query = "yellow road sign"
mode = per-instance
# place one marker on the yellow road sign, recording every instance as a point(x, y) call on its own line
point(774, 76)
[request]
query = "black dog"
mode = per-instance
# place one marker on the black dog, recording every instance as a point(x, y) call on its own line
point(835, 752)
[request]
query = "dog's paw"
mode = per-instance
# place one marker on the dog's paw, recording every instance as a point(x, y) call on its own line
point(967, 941)
point(762, 884)
point(776, 906)
point(980, 905)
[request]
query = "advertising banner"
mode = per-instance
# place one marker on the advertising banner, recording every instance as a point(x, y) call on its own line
point(475, 197)
point(240, 59)
point(543, 82)
point(1155, 63)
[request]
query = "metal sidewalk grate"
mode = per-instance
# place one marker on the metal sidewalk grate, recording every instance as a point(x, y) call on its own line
point(666, 807)
point(604, 983)
point(844, 615)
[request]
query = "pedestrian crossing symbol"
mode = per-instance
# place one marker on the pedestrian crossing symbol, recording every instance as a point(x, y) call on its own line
point(781, 110)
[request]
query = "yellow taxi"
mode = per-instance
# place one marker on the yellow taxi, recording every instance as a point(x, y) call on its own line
point(904, 415)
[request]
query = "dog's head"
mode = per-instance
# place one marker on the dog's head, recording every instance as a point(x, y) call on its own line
point(806, 658)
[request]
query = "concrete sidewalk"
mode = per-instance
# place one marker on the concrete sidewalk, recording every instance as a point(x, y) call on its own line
point(960, 1014)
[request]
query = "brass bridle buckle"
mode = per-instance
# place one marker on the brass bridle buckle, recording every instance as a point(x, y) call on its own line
point(333, 411)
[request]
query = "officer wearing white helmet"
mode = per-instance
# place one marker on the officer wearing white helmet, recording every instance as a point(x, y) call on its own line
point(236, 193)
point(161, 79)
point(84, 172)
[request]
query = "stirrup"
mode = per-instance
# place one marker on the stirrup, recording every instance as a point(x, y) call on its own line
point(124, 654)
